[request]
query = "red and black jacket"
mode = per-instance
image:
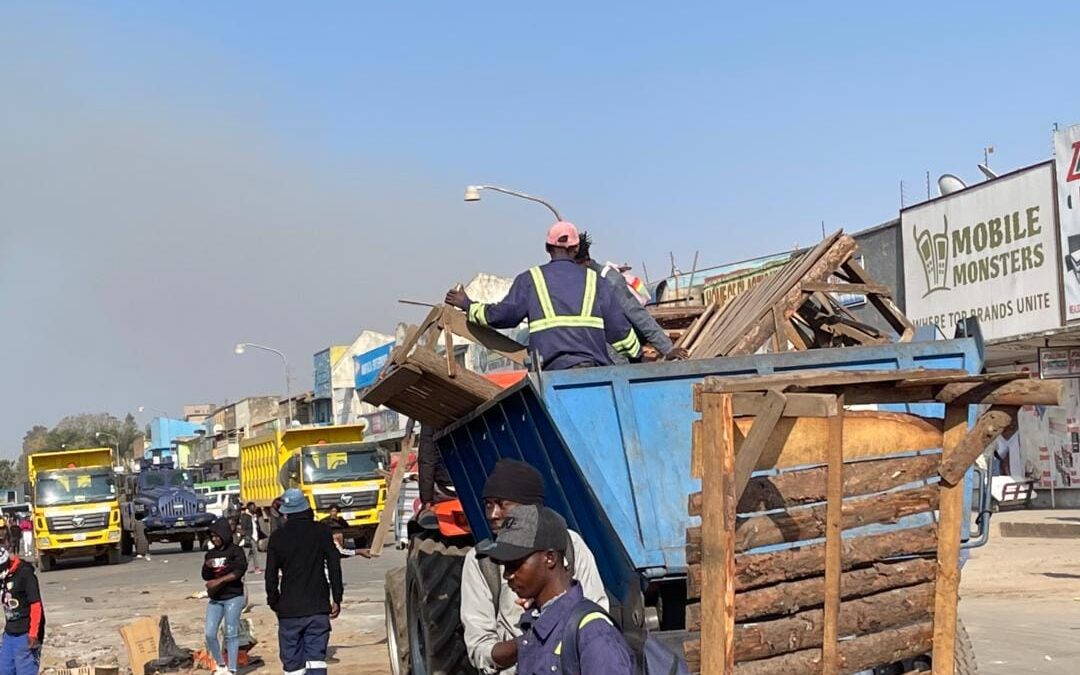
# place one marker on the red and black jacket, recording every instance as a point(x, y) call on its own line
point(22, 600)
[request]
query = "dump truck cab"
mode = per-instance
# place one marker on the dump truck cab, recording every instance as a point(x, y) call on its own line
point(75, 509)
point(332, 466)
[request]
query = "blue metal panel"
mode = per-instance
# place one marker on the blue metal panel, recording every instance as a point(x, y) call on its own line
point(613, 443)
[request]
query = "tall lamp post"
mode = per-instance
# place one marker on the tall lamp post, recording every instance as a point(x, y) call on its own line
point(243, 346)
point(99, 434)
point(472, 194)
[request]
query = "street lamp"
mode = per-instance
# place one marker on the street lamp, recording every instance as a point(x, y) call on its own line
point(241, 347)
point(99, 434)
point(472, 194)
point(144, 408)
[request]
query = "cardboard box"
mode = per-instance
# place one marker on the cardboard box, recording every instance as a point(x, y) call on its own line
point(141, 641)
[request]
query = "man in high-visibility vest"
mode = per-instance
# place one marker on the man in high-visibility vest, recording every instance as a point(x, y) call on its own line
point(573, 315)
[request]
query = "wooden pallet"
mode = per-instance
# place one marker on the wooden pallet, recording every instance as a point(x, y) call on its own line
point(796, 308)
point(833, 605)
point(434, 388)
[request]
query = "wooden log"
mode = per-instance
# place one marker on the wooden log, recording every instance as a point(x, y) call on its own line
point(834, 490)
point(794, 596)
point(861, 653)
point(987, 428)
point(754, 570)
point(802, 441)
point(860, 289)
point(1012, 393)
point(809, 522)
point(798, 488)
point(718, 534)
point(386, 518)
point(948, 553)
point(827, 378)
point(871, 614)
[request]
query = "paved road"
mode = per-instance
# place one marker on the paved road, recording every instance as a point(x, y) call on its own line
point(86, 604)
point(1023, 635)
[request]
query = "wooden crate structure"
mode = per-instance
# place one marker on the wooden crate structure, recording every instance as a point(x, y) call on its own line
point(835, 604)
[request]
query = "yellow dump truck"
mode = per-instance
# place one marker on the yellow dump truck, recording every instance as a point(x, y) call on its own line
point(331, 465)
point(76, 512)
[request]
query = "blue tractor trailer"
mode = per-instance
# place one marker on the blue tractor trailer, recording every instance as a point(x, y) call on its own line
point(614, 447)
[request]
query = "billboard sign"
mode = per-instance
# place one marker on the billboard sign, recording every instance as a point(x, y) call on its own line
point(369, 364)
point(989, 251)
point(727, 282)
point(323, 384)
point(1067, 164)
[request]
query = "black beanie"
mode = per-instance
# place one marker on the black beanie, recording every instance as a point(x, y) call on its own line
point(515, 481)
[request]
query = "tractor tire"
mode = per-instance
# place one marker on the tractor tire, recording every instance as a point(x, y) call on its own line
point(433, 604)
point(187, 544)
point(397, 622)
point(127, 543)
point(965, 652)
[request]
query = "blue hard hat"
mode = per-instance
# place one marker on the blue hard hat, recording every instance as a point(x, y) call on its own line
point(293, 501)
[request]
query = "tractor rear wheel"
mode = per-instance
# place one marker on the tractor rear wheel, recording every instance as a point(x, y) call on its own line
point(397, 622)
point(433, 601)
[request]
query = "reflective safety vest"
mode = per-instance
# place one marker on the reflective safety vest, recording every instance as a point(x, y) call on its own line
point(585, 319)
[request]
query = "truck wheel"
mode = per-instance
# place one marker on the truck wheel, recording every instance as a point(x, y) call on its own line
point(46, 562)
point(187, 544)
point(965, 652)
point(365, 538)
point(114, 556)
point(433, 584)
point(127, 543)
point(397, 634)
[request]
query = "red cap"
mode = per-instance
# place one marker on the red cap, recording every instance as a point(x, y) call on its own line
point(563, 234)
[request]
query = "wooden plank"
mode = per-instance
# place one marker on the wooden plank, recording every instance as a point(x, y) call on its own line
point(393, 491)
point(798, 405)
point(809, 522)
point(780, 341)
point(1018, 392)
point(392, 383)
point(756, 570)
point(987, 428)
point(718, 534)
point(696, 452)
point(882, 303)
point(749, 453)
point(948, 554)
point(857, 289)
point(870, 614)
point(457, 322)
point(801, 441)
point(825, 378)
point(830, 654)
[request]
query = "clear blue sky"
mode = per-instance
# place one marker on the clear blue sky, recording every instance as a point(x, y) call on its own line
point(175, 177)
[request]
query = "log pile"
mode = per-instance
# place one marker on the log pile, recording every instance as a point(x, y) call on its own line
point(433, 388)
point(778, 580)
point(795, 307)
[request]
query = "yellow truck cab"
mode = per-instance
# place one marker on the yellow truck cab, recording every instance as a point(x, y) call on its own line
point(76, 512)
point(331, 465)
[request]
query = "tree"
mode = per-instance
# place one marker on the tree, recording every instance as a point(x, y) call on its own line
point(86, 430)
point(10, 477)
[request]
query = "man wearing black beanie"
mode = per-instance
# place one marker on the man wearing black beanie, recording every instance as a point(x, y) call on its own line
point(490, 611)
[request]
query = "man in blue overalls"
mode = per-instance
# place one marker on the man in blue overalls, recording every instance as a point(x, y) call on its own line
point(572, 318)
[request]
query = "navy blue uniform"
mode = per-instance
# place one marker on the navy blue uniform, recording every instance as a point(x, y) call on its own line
point(572, 318)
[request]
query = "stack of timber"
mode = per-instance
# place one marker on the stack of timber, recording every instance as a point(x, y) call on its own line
point(796, 307)
point(434, 388)
point(778, 586)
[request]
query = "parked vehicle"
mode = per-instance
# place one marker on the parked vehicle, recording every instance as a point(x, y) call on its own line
point(614, 447)
point(76, 512)
point(330, 465)
point(159, 504)
point(217, 494)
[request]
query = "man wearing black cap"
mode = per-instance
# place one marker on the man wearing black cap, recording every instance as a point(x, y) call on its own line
point(490, 610)
point(561, 630)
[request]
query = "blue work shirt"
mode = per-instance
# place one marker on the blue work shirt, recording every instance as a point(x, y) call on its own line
point(601, 647)
point(572, 319)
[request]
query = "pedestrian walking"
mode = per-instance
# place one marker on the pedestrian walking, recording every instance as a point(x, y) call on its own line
point(24, 627)
point(223, 571)
point(27, 528)
point(249, 528)
point(303, 586)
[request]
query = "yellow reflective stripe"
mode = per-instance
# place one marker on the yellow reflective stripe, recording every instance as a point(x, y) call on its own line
point(630, 345)
point(566, 322)
point(478, 313)
point(590, 293)
point(542, 292)
point(587, 619)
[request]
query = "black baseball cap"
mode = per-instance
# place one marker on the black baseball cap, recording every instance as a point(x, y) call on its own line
point(527, 529)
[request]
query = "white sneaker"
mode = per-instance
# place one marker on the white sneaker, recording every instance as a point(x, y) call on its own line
point(222, 670)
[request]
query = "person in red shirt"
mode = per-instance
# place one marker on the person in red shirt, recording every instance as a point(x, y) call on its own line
point(24, 629)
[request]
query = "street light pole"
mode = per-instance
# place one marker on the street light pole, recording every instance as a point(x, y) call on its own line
point(242, 346)
point(99, 434)
point(472, 194)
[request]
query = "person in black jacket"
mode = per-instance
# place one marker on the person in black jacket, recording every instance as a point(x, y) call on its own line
point(303, 585)
point(223, 570)
point(24, 629)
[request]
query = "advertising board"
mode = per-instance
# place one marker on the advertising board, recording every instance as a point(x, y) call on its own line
point(988, 251)
point(1067, 164)
point(322, 383)
point(369, 364)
